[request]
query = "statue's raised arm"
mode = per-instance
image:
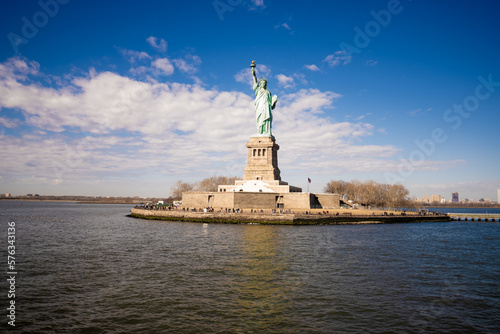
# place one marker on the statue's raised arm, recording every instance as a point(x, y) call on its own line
point(264, 104)
point(253, 72)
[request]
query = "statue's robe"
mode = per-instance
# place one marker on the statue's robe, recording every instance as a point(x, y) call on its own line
point(263, 107)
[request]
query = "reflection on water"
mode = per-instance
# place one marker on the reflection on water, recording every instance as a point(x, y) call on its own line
point(90, 269)
point(260, 292)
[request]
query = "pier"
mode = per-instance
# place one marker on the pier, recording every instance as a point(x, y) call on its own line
point(479, 217)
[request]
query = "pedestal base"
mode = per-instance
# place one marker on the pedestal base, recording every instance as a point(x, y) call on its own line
point(262, 160)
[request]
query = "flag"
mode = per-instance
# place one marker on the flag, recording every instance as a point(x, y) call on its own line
point(309, 180)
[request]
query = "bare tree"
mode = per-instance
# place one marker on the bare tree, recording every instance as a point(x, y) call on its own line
point(209, 184)
point(398, 195)
point(180, 187)
point(212, 183)
point(338, 187)
point(371, 193)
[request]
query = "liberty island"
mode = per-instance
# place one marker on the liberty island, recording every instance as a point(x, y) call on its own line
point(261, 195)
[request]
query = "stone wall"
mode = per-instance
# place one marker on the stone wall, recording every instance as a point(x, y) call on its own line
point(215, 216)
point(276, 218)
point(297, 201)
point(247, 200)
point(328, 201)
point(201, 199)
point(259, 200)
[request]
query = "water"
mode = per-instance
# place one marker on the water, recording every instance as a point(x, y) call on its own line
point(85, 268)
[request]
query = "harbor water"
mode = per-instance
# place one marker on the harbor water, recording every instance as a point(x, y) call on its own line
point(88, 268)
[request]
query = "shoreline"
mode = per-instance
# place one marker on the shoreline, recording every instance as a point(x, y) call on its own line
point(281, 218)
point(67, 200)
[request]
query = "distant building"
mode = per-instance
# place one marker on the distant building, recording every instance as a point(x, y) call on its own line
point(437, 198)
point(426, 199)
point(454, 198)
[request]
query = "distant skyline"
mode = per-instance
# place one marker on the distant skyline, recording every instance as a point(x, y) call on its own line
point(124, 99)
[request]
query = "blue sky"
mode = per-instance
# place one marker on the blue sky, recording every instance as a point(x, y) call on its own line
point(124, 98)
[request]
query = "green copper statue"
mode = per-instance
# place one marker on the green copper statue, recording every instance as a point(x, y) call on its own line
point(264, 104)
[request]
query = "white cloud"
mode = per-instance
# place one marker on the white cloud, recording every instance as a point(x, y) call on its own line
point(164, 65)
point(159, 45)
point(284, 26)
point(257, 4)
point(310, 100)
point(189, 64)
point(300, 77)
point(312, 67)
point(10, 123)
point(134, 56)
point(284, 81)
point(317, 144)
point(371, 62)
point(338, 58)
point(140, 71)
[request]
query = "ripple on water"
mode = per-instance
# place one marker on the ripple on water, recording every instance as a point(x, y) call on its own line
point(88, 268)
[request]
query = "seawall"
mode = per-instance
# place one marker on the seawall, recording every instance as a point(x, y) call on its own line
point(280, 218)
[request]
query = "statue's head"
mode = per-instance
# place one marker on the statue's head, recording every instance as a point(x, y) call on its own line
point(263, 83)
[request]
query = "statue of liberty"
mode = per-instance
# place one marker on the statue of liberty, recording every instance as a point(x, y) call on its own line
point(264, 104)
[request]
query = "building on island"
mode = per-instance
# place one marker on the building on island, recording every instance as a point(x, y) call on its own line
point(454, 197)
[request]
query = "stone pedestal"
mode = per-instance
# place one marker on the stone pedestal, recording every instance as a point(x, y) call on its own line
point(261, 172)
point(262, 160)
point(261, 187)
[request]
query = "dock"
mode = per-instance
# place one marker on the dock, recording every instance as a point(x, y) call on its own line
point(479, 217)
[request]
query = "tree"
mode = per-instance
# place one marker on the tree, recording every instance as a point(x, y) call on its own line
point(180, 187)
point(371, 193)
point(338, 187)
point(209, 184)
point(212, 183)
